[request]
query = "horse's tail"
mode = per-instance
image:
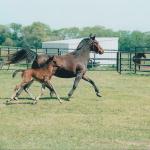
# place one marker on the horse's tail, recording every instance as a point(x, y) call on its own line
point(20, 55)
point(16, 71)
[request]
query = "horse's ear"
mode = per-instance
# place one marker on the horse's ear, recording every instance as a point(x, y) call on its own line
point(90, 35)
point(93, 37)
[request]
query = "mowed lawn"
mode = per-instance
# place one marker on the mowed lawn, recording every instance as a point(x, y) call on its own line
point(119, 120)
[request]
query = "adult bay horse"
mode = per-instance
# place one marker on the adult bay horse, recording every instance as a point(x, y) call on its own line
point(137, 58)
point(71, 65)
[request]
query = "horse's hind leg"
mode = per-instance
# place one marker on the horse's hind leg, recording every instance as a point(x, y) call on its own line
point(93, 84)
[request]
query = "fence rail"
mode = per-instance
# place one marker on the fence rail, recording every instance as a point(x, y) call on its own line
point(107, 61)
point(126, 63)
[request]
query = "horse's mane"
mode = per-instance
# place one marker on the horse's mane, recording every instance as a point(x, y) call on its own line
point(82, 43)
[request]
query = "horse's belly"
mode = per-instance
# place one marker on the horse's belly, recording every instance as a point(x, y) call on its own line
point(62, 73)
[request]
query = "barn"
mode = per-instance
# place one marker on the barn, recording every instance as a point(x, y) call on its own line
point(110, 44)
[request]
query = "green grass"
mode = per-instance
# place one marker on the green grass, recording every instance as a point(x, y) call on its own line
point(119, 120)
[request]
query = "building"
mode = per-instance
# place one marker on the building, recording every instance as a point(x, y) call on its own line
point(110, 44)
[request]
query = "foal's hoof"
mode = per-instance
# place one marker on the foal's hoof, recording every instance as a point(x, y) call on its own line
point(98, 94)
point(15, 98)
point(68, 99)
point(8, 101)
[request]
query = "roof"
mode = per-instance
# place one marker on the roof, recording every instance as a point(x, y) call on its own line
point(79, 39)
point(105, 42)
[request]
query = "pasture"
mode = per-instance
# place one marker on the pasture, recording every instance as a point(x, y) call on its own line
point(119, 120)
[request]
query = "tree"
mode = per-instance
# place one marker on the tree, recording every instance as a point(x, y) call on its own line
point(8, 42)
point(137, 39)
point(35, 34)
point(124, 40)
point(68, 33)
point(15, 30)
point(4, 33)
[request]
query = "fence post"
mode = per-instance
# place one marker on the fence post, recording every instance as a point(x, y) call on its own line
point(117, 65)
point(130, 60)
point(120, 69)
point(8, 53)
point(0, 51)
point(36, 50)
point(135, 63)
point(58, 51)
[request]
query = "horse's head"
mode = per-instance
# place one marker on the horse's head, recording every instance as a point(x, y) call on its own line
point(94, 45)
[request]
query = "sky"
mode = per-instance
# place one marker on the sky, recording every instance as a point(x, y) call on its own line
point(114, 14)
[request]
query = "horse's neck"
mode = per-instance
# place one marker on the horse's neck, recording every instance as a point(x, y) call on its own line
point(83, 53)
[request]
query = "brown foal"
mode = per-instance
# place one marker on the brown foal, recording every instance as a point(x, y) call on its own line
point(42, 75)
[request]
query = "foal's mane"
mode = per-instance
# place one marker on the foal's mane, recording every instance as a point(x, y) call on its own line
point(48, 61)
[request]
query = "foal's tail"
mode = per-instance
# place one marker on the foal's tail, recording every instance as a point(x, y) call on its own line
point(16, 71)
point(23, 54)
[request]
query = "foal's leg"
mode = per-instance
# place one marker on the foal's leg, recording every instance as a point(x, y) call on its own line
point(26, 89)
point(75, 84)
point(41, 93)
point(93, 84)
point(51, 87)
point(17, 92)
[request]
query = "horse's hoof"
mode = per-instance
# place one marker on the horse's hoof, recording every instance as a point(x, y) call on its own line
point(98, 94)
point(34, 102)
point(60, 101)
point(51, 94)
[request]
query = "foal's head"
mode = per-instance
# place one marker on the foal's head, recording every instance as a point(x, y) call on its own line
point(92, 43)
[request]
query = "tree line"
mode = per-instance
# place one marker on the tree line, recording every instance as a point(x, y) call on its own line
point(33, 35)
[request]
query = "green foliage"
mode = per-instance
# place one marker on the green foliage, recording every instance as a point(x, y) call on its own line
point(33, 35)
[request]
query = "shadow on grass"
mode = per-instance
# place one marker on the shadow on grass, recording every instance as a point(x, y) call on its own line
point(52, 98)
point(136, 74)
point(31, 102)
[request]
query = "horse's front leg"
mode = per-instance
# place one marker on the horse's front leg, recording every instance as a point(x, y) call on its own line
point(75, 84)
point(93, 84)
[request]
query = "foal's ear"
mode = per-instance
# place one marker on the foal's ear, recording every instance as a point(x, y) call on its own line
point(51, 58)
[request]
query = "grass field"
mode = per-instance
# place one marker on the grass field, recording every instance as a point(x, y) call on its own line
point(119, 120)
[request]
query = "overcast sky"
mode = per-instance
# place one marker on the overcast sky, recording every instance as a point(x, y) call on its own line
point(115, 14)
